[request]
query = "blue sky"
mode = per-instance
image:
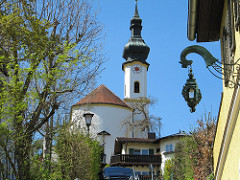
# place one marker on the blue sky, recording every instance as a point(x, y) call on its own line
point(165, 32)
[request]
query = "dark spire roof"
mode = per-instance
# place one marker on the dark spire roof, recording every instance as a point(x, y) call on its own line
point(136, 49)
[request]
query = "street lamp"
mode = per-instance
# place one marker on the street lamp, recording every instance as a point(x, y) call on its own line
point(191, 92)
point(88, 119)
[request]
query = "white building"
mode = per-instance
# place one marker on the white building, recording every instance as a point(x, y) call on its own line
point(141, 153)
point(109, 112)
point(168, 145)
point(108, 109)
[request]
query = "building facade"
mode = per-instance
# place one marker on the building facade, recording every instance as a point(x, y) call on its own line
point(144, 154)
point(213, 21)
point(109, 112)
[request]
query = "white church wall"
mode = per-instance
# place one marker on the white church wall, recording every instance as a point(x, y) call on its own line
point(106, 118)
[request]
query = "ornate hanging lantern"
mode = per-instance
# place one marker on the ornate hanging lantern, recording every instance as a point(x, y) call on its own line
point(191, 92)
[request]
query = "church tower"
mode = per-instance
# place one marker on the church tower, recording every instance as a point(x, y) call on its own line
point(135, 67)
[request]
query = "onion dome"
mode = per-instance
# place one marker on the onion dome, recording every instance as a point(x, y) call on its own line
point(136, 49)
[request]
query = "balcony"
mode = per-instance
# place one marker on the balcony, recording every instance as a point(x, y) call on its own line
point(127, 159)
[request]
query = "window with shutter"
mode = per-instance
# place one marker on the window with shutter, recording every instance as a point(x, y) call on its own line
point(131, 151)
point(151, 151)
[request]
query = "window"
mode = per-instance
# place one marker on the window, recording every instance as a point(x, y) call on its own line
point(136, 87)
point(145, 152)
point(134, 151)
point(145, 173)
point(141, 151)
point(138, 172)
point(137, 152)
point(151, 151)
point(169, 147)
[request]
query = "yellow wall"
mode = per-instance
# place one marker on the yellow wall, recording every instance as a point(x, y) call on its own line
point(227, 140)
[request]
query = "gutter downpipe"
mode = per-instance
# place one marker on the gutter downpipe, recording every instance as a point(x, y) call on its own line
point(192, 19)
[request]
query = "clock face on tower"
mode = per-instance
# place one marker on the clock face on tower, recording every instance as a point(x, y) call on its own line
point(137, 68)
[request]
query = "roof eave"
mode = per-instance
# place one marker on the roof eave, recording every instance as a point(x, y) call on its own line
point(204, 20)
point(92, 104)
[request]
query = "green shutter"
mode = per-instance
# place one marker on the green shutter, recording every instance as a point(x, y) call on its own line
point(130, 151)
point(151, 151)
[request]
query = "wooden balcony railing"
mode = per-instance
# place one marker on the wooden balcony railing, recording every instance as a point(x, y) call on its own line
point(127, 159)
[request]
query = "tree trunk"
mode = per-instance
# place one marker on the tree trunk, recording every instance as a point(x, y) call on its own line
point(22, 156)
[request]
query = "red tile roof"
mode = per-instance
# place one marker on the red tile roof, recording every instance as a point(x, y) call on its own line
point(102, 95)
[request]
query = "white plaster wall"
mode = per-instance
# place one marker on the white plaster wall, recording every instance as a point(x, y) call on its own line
point(106, 118)
point(163, 144)
point(130, 78)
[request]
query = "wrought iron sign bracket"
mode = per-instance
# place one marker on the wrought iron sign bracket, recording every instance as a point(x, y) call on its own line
point(191, 92)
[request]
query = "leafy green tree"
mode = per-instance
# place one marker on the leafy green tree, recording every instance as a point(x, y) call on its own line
point(49, 54)
point(182, 159)
point(168, 169)
point(79, 156)
point(76, 155)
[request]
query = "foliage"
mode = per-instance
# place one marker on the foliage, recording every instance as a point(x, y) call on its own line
point(193, 157)
point(202, 157)
point(49, 54)
point(37, 170)
point(168, 169)
point(210, 177)
point(78, 155)
point(182, 159)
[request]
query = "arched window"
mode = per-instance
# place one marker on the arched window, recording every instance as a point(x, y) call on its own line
point(136, 87)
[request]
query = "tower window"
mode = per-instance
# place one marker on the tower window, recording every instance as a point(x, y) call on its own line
point(136, 87)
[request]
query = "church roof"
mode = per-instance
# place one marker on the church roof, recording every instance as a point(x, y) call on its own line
point(136, 49)
point(102, 95)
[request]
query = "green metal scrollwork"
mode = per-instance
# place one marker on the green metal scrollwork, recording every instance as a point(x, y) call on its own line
point(207, 56)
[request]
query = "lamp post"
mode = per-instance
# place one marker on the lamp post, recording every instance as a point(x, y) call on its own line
point(88, 119)
point(191, 92)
